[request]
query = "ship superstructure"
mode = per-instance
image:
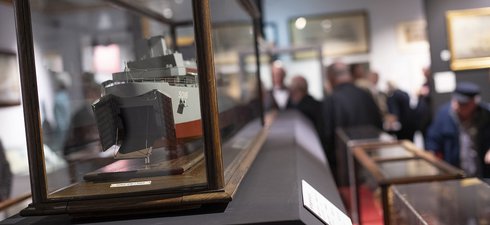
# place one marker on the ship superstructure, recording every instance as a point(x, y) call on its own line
point(154, 102)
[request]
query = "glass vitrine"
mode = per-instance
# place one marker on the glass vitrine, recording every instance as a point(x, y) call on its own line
point(347, 139)
point(401, 162)
point(131, 104)
point(465, 201)
point(237, 78)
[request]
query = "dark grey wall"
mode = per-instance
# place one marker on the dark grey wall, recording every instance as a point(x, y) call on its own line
point(436, 21)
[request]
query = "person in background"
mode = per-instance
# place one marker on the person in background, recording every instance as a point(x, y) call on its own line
point(379, 97)
point(368, 81)
point(358, 72)
point(460, 132)
point(279, 93)
point(423, 109)
point(83, 129)
point(300, 99)
point(398, 103)
point(347, 106)
point(62, 110)
point(5, 175)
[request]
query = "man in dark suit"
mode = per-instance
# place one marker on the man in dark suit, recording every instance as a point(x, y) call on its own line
point(347, 106)
point(398, 103)
point(300, 99)
point(5, 175)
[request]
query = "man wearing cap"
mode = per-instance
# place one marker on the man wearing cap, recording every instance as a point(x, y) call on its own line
point(460, 133)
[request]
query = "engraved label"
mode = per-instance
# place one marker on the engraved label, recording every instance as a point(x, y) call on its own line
point(130, 184)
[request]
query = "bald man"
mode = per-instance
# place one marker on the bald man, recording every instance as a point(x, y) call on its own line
point(305, 103)
point(298, 89)
point(347, 106)
point(300, 99)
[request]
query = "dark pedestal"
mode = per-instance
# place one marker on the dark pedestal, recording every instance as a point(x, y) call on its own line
point(270, 192)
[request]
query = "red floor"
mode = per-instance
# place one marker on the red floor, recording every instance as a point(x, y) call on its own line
point(371, 210)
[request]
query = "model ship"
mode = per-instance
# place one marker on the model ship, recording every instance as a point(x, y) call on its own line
point(153, 103)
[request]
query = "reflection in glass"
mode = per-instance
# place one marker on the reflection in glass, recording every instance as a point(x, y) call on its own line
point(236, 78)
point(463, 202)
point(390, 151)
point(408, 168)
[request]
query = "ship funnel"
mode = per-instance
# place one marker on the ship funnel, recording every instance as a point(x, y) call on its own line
point(157, 46)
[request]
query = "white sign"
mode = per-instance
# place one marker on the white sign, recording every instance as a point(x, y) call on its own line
point(129, 184)
point(321, 207)
point(444, 82)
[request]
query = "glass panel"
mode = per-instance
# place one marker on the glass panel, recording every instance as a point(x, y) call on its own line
point(450, 202)
point(408, 168)
point(362, 133)
point(185, 41)
point(387, 152)
point(120, 109)
point(402, 212)
point(310, 69)
point(236, 74)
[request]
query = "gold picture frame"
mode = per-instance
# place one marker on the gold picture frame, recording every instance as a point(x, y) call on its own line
point(469, 38)
point(339, 34)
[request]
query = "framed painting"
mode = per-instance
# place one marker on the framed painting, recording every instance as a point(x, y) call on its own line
point(339, 34)
point(412, 36)
point(469, 38)
point(9, 79)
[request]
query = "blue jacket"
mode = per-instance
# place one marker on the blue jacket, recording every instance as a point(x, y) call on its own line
point(443, 136)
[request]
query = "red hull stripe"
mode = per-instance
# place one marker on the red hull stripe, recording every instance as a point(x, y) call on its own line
point(189, 129)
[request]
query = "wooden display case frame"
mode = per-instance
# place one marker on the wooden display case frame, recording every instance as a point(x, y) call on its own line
point(222, 183)
point(371, 164)
point(345, 146)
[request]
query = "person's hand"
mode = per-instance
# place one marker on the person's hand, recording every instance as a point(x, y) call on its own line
point(391, 123)
point(487, 157)
point(423, 91)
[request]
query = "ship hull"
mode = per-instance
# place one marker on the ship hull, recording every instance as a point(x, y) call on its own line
point(185, 104)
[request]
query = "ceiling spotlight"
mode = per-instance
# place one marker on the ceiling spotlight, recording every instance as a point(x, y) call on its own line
point(300, 23)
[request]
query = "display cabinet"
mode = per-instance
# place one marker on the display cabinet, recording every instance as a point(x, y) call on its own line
point(402, 162)
point(136, 111)
point(346, 140)
point(465, 201)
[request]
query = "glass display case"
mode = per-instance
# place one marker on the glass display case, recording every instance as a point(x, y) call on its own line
point(388, 164)
point(132, 105)
point(465, 201)
point(346, 140)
